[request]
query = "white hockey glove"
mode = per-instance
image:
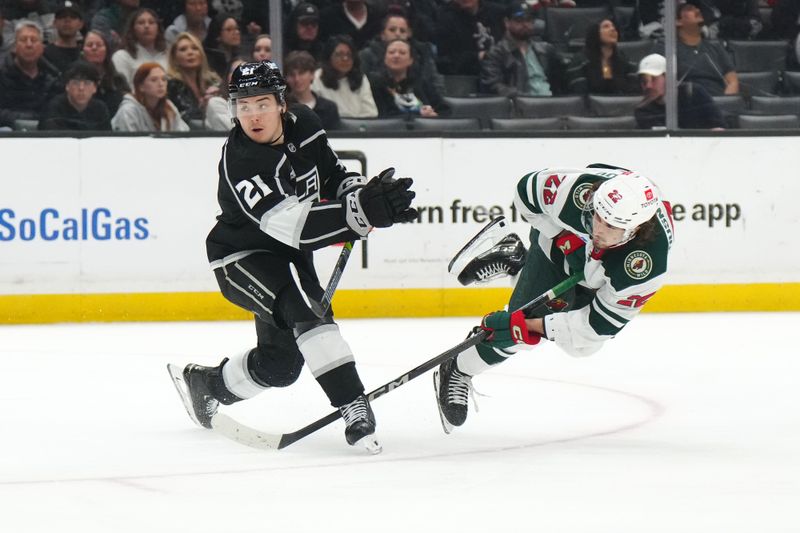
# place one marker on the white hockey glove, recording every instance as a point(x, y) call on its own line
point(383, 201)
point(352, 182)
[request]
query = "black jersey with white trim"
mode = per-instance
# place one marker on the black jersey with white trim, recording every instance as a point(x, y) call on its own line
point(279, 198)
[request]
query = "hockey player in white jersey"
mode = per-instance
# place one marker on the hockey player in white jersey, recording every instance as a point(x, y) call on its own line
point(609, 223)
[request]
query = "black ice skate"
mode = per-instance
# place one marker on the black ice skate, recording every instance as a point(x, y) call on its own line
point(491, 254)
point(453, 389)
point(360, 422)
point(192, 385)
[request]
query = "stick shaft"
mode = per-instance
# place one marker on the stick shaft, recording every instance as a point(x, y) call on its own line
point(561, 288)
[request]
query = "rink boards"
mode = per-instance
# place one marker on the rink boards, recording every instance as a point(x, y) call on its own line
point(114, 228)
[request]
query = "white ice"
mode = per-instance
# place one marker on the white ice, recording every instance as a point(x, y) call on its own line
point(684, 423)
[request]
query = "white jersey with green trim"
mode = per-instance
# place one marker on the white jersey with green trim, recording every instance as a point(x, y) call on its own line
point(624, 278)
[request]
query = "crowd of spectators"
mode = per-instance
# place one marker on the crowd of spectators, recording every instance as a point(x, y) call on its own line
point(139, 65)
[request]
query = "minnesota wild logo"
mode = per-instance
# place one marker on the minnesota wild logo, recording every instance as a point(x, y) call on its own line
point(638, 264)
point(581, 195)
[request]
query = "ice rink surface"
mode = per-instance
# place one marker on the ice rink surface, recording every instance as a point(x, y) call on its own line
point(684, 423)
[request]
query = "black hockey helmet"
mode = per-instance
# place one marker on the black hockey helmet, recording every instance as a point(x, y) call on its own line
point(252, 79)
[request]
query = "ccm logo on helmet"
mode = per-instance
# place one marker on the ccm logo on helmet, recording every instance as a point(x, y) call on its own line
point(615, 196)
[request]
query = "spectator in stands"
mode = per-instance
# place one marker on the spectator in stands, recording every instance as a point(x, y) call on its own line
point(421, 16)
point(148, 108)
point(602, 68)
point(112, 21)
point(520, 65)
point(223, 42)
point(143, 42)
point(355, 18)
point(696, 108)
point(38, 11)
point(736, 19)
point(66, 48)
point(302, 31)
point(465, 32)
point(194, 20)
point(27, 80)
point(341, 80)
point(193, 87)
point(6, 36)
point(398, 89)
point(262, 48)
point(299, 70)
point(395, 26)
point(112, 85)
point(77, 109)
point(702, 61)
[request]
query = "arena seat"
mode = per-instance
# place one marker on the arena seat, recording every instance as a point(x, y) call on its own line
point(566, 26)
point(758, 83)
point(754, 56)
point(762, 122)
point(775, 105)
point(484, 108)
point(446, 124)
point(612, 106)
point(549, 106)
point(374, 124)
point(601, 123)
point(527, 124)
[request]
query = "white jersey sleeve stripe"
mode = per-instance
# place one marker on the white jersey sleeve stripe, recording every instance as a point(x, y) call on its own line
point(285, 221)
point(311, 139)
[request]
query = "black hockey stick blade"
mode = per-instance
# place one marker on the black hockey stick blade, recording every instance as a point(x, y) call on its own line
point(255, 438)
point(321, 307)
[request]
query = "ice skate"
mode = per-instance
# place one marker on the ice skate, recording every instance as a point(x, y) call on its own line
point(453, 389)
point(493, 253)
point(360, 422)
point(192, 386)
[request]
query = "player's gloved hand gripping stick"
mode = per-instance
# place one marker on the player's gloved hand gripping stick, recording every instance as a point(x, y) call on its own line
point(393, 200)
point(248, 436)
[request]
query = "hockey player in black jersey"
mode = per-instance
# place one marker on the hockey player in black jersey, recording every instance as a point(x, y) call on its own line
point(283, 194)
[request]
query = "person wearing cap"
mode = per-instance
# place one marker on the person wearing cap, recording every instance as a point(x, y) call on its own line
point(699, 60)
point(520, 65)
point(696, 108)
point(66, 48)
point(302, 31)
point(356, 18)
point(465, 32)
point(77, 109)
point(194, 20)
point(27, 80)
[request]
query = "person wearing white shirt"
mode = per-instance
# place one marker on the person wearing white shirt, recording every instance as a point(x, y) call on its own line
point(340, 79)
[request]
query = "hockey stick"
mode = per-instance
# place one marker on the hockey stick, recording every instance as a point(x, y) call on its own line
point(321, 307)
point(248, 436)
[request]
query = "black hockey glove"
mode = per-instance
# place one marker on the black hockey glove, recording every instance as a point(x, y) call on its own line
point(352, 182)
point(382, 202)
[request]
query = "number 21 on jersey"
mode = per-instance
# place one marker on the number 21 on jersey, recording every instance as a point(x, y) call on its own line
point(252, 190)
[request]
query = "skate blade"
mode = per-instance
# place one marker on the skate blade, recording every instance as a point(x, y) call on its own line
point(491, 233)
point(176, 374)
point(370, 443)
point(446, 426)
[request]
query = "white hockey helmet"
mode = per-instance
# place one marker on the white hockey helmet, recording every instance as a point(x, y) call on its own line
point(626, 201)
